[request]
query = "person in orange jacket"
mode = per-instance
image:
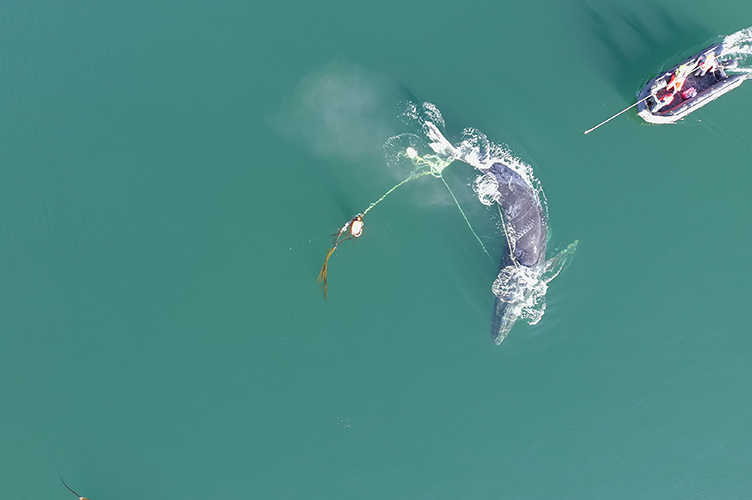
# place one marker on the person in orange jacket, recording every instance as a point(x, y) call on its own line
point(678, 78)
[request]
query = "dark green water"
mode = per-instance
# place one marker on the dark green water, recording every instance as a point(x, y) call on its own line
point(171, 173)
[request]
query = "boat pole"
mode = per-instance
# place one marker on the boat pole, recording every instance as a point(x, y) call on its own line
point(617, 114)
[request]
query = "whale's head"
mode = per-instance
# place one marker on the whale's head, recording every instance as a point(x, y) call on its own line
point(519, 293)
point(504, 317)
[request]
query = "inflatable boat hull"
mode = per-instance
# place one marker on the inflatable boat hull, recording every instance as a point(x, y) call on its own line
point(708, 87)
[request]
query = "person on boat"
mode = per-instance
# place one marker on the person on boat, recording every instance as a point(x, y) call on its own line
point(664, 98)
point(707, 62)
point(679, 77)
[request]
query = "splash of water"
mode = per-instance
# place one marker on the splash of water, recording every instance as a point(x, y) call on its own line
point(739, 46)
point(524, 289)
point(486, 187)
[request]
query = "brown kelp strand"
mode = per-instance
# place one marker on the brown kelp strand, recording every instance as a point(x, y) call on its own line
point(69, 489)
point(353, 228)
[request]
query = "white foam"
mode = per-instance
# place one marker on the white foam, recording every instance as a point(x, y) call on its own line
point(524, 289)
point(486, 187)
point(739, 46)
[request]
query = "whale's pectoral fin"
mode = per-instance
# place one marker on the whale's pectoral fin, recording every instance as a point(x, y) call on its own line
point(555, 264)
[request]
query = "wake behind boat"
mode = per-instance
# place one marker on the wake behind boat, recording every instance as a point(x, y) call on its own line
point(687, 87)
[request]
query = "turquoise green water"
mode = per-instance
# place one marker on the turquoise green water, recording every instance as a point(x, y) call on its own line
point(170, 177)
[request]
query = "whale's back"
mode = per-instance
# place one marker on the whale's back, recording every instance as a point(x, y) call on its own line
point(524, 215)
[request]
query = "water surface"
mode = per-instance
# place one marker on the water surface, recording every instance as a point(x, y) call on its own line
point(171, 175)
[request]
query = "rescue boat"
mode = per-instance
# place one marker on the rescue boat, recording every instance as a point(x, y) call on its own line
point(701, 85)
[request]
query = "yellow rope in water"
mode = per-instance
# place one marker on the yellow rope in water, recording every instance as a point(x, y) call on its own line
point(413, 176)
point(465, 217)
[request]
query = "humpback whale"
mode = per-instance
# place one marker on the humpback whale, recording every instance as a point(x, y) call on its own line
point(523, 269)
